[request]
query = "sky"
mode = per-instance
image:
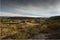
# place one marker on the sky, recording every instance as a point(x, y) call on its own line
point(30, 8)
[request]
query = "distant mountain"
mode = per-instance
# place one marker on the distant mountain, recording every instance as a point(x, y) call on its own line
point(21, 17)
point(55, 18)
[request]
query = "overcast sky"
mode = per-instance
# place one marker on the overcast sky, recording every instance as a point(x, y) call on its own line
point(30, 8)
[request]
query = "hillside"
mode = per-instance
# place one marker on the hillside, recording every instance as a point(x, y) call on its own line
point(29, 27)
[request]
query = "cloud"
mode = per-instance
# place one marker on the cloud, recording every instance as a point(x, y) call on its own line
point(7, 14)
point(38, 11)
point(32, 11)
point(30, 8)
point(15, 15)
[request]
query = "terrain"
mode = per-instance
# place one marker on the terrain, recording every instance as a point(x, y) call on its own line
point(30, 28)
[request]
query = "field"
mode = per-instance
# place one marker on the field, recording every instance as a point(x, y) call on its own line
point(29, 28)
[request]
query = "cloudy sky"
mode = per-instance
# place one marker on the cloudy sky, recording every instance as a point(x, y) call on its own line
point(30, 8)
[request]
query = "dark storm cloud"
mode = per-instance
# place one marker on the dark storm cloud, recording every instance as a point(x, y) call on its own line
point(28, 1)
point(12, 3)
point(30, 7)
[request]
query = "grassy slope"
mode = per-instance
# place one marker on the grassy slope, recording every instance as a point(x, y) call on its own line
point(22, 28)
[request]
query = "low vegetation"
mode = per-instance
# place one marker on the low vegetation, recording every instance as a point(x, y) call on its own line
point(26, 28)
